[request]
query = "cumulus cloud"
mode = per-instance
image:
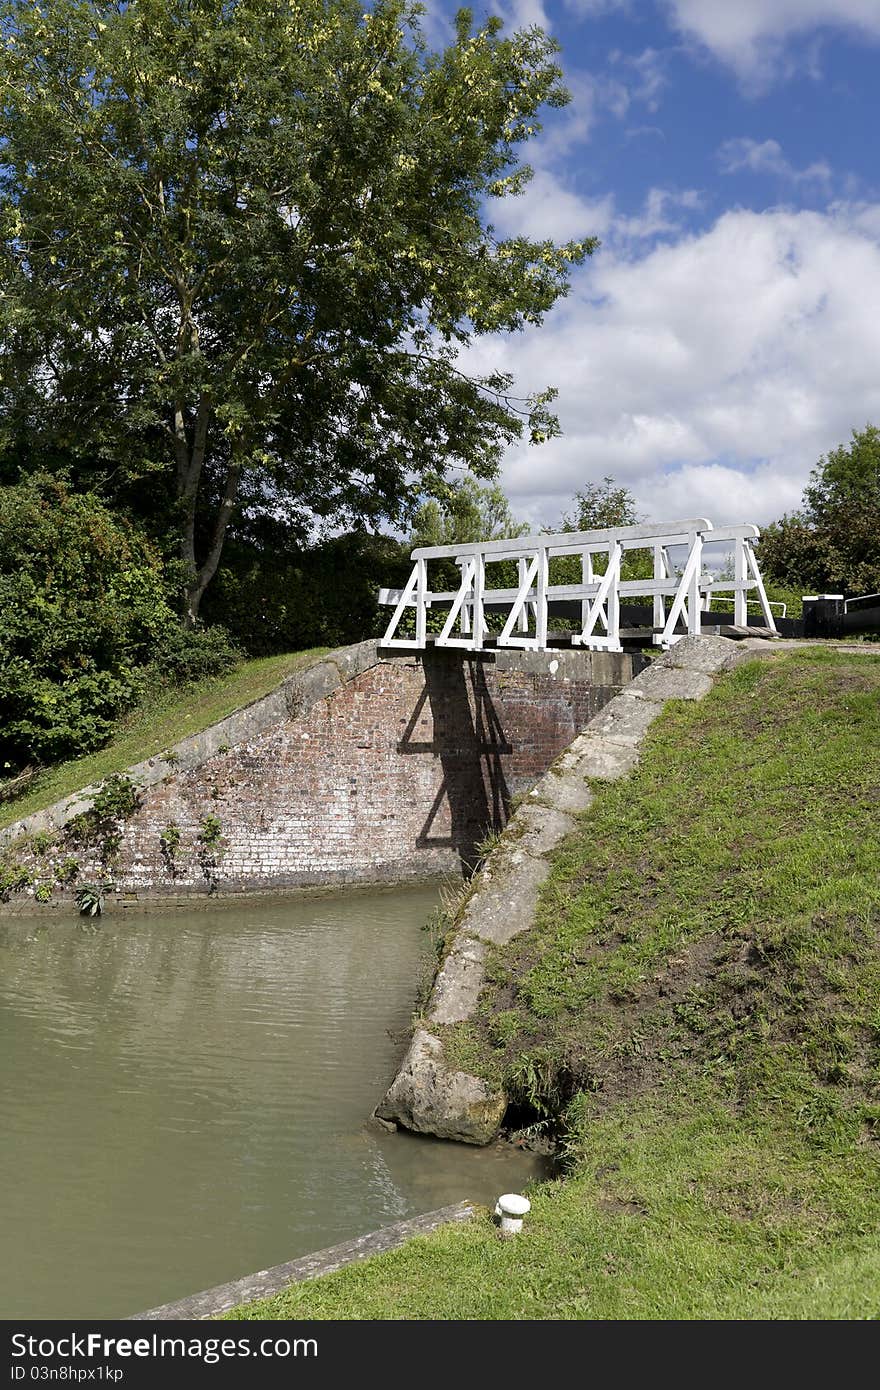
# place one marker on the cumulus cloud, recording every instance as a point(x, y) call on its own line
point(709, 373)
point(766, 157)
point(751, 36)
point(547, 209)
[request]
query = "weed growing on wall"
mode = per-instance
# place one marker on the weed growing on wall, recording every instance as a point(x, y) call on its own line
point(210, 851)
point(169, 846)
point(115, 802)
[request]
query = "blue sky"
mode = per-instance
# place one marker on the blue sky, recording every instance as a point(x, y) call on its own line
point(727, 332)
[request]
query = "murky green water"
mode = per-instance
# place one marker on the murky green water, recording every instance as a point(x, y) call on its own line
point(183, 1097)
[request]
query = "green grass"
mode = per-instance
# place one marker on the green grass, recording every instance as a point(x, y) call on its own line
point(152, 729)
point(697, 1013)
point(669, 1216)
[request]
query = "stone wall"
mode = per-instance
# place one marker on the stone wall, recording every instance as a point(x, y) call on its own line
point(394, 770)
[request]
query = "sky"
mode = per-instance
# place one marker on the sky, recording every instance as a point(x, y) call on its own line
point(727, 332)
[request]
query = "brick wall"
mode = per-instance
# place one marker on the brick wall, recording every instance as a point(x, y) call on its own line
point(397, 774)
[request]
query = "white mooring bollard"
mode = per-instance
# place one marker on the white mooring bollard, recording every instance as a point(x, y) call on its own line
point(510, 1210)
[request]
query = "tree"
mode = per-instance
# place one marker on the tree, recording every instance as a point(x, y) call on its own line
point(599, 505)
point(469, 512)
point(243, 246)
point(833, 541)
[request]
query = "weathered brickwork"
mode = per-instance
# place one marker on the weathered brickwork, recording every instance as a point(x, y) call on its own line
point(397, 774)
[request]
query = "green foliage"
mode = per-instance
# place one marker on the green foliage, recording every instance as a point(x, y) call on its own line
point(169, 845)
point(210, 832)
point(272, 601)
point(89, 898)
point(186, 656)
point(117, 799)
point(210, 849)
point(833, 542)
point(470, 511)
point(82, 603)
point(115, 802)
point(251, 239)
point(67, 870)
point(599, 505)
point(14, 877)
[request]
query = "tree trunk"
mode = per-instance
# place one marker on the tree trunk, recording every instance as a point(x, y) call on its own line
point(190, 463)
point(201, 577)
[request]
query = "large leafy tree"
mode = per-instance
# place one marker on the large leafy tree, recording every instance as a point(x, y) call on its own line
point(833, 540)
point(244, 242)
point(470, 511)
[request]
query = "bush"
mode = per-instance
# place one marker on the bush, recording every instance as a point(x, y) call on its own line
point(326, 596)
point(182, 657)
point(82, 606)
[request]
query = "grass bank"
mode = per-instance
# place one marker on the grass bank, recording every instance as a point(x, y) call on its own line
point(154, 727)
point(697, 1013)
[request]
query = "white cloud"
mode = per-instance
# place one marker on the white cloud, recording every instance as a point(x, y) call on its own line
point(522, 14)
point(751, 35)
point(709, 374)
point(548, 210)
point(657, 215)
point(766, 157)
point(635, 132)
point(649, 70)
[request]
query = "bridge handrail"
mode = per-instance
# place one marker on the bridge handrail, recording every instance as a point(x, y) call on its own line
point(508, 548)
point(689, 589)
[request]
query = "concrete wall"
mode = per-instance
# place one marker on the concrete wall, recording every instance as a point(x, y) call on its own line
point(381, 769)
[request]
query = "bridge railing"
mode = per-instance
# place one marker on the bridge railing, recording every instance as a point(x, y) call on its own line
point(680, 592)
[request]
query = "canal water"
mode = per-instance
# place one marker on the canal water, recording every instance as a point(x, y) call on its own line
point(183, 1096)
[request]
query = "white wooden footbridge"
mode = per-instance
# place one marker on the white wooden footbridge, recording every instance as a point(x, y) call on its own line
point(678, 588)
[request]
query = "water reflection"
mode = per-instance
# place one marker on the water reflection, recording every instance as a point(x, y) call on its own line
point(184, 1096)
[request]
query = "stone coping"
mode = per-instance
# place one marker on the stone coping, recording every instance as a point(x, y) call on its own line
point(267, 1282)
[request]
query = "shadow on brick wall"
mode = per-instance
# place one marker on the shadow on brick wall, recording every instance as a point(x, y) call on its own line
point(469, 740)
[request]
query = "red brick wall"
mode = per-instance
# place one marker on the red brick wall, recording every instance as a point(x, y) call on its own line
point(398, 774)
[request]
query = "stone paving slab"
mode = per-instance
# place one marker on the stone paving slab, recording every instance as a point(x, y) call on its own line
point(625, 719)
point(539, 829)
point(605, 761)
point(568, 790)
point(504, 904)
point(709, 654)
point(459, 981)
point(663, 683)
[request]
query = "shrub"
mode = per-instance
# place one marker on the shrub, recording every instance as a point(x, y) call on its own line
point(82, 605)
point(181, 656)
point(324, 596)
